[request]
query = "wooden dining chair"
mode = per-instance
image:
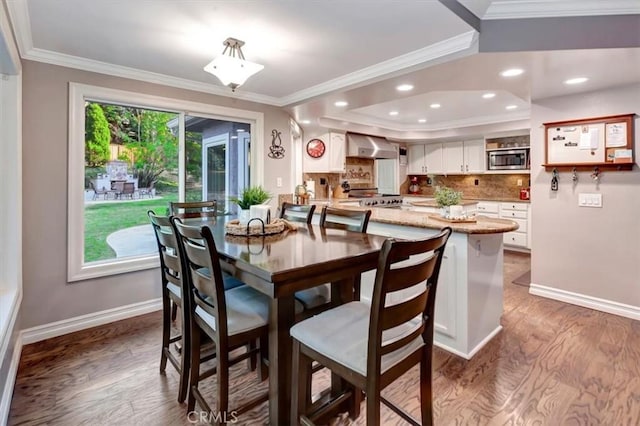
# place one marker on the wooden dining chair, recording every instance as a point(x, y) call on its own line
point(297, 212)
point(371, 346)
point(171, 267)
point(193, 209)
point(232, 319)
point(171, 279)
point(318, 298)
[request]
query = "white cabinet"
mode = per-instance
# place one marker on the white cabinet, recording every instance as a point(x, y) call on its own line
point(489, 209)
point(474, 156)
point(424, 159)
point(463, 157)
point(453, 157)
point(333, 159)
point(337, 152)
point(519, 213)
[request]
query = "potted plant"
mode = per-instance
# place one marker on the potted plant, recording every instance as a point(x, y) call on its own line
point(250, 196)
point(447, 197)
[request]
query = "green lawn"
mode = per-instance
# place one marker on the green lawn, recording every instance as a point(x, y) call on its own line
point(102, 219)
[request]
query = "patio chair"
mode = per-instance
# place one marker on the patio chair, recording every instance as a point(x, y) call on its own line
point(128, 189)
point(97, 192)
point(148, 191)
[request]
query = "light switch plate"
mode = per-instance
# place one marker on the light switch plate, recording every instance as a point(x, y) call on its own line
point(589, 200)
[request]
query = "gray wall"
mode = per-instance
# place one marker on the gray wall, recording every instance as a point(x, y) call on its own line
point(47, 295)
point(590, 251)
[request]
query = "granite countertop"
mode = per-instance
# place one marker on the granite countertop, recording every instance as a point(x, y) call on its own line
point(433, 203)
point(497, 199)
point(483, 225)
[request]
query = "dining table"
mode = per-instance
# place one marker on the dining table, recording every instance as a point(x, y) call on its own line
point(281, 264)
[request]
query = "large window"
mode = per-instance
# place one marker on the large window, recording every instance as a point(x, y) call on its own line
point(130, 153)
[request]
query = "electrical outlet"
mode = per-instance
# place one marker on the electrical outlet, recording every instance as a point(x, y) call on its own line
point(476, 182)
point(519, 182)
point(279, 182)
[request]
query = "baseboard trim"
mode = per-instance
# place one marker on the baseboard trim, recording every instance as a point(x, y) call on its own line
point(59, 328)
point(585, 301)
point(473, 351)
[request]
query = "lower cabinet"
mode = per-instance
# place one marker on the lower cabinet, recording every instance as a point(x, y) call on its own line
point(469, 294)
point(519, 213)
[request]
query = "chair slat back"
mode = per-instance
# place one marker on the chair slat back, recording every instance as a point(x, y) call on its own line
point(403, 265)
point(329, 214)
point(297, 212)
point(202, 264)
point(170, 265)
point(193, 209)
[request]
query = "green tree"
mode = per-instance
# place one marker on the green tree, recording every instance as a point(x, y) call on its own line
point(154, 147)
point(97, 136)
point(146, 134)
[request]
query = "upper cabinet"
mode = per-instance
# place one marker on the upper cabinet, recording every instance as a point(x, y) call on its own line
point(337, 152)
point(332, 147)
point(425, 159)
point(464, 157)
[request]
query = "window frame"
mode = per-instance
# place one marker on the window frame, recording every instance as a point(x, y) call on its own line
point(77, 269)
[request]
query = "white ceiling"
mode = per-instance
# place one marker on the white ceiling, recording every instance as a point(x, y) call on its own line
point(318, 52)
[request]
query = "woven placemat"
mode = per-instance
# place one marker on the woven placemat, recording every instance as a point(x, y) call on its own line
point(256, 228)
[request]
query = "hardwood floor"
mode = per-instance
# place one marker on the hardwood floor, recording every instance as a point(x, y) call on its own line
point(553, 364)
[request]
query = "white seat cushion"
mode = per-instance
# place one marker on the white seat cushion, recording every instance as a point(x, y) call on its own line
point(314, 297)
point(247, 309)
point(174, 289)
point(342, 334)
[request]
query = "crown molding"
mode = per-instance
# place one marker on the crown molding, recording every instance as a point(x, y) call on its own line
point(510, 9)
point(19, 13)
point(405, 63)
point(422, 57)
point(91, 65)
point(9, 54)
point(21, 24)
point(349, 121)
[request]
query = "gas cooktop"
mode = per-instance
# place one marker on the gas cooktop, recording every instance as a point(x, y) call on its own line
point(369, 197)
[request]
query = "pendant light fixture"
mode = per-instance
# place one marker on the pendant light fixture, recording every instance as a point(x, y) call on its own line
point(231, 68)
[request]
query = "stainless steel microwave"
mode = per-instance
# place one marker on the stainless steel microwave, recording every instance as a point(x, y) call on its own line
point(508, 159)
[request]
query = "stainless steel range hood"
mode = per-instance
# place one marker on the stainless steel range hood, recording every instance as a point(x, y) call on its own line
point(365, 146)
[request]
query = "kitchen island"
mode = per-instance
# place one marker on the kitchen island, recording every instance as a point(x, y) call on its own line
point(469, 295)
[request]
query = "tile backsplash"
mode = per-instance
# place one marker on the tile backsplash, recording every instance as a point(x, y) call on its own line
point(490, 186)
point(359, 172)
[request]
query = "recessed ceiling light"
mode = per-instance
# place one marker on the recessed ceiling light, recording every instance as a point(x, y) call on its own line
point(435, 106)
point(393, 113)
point(511, 107)
point(240, 130)
point(576, 80)
point(305, 121)
point(489, 95)
point(511, 72)
point(234, 137)
point(404, 87)
point(341, 104)
point(422, 120)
